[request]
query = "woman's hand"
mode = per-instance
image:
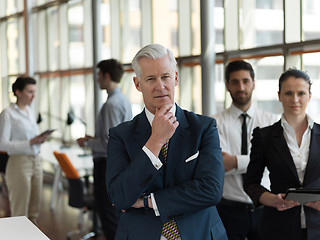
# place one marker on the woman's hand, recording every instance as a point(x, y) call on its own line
point(314, 205)
point(39, 139)
point(277, 201)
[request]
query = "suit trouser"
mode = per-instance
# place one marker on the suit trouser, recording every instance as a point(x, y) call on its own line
point(108, 214)
point(241, 220)
point(24, 180)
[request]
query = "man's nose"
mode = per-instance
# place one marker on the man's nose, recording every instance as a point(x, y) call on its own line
point(160, 83)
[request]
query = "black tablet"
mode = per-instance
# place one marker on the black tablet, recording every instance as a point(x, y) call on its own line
point(302, 195)
point(47, 132)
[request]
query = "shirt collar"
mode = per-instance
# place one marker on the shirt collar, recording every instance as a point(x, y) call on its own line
point(113, 91)
point(236, 112)
point(285, 124)
point(150, 116)
point(15, 106)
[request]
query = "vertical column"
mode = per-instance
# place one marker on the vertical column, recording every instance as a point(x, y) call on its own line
point(96, 42)
point(115, 29)
point(185, 49)
point(28, 38)
point(146, 22)
point(207, 56)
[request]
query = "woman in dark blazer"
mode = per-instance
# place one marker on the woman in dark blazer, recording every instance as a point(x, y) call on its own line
point(290, 149)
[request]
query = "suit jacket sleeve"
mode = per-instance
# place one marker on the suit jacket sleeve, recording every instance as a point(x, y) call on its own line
point(252, 179)
point(197, 186)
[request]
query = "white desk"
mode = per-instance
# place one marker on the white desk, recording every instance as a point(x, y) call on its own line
point(17, 228)
point(83, 163)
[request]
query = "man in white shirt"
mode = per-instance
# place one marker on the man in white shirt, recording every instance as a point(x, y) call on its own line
point(236, 210)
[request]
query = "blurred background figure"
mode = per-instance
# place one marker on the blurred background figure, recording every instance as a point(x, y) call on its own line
point(19, 137)
point(115, 110)
point(235, 126)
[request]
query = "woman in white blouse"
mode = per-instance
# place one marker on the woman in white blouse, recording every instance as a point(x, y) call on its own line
point(19, 137)
point(290, 150)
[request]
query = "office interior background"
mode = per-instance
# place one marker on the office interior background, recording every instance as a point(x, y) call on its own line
point(59, 43)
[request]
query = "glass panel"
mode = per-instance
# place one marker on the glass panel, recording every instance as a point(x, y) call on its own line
point(40, 39)
point(130, 91)
point(165, 29)
point(106, 29)
point(267, 71)
point(76, 45)
point(14, 6)
point(312, 67)
point(196, 90)
point(219, 88)
point(40, 2)
point(131, 30)
point(13, 46)
point(77, 103)
point(53, 39)
point(22, 46)
point(260, 27)
point(3, 7)
point(196, 27)
point(219, 26)
point(310, 18)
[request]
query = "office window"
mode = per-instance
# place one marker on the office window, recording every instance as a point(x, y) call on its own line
point(13, 46)
point(77, 103)
point(312, 66)
point(53, 41)
point(76, 45)
point(260, 27)
point(131, 29)
point(196, 29)
point(106, 29)
point(14, 6)
point(267, 71)
point(165, 17)
point(310, 19)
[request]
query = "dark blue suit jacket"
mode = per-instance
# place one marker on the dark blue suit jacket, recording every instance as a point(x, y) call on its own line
point(269, 148)
point(187, 191)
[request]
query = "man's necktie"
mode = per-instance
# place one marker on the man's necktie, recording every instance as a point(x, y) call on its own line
point(244, 135)
point(170, 229)
point(164, 151)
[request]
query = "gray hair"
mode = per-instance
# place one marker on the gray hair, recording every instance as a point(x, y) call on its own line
point(152, 51)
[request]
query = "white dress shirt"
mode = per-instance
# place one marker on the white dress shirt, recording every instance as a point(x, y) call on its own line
point(17, 127)
point(300, 154)
point(229, 124)
point(155, 160)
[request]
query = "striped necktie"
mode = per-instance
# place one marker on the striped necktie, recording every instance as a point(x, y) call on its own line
point(170, 229)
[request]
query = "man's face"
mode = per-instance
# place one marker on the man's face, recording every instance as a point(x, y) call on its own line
point(240, 87)
point(157, 82)
point(102, 80)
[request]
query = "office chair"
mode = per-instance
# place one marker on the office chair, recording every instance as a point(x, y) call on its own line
point(78, 193)
point(3, 163)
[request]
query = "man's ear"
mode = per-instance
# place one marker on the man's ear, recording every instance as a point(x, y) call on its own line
point(137, 83)
point(176, 78)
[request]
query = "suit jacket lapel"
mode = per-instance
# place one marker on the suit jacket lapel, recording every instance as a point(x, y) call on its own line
point(312, 169)
point(282, 149)
point(177, 144)
point(143, 129)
